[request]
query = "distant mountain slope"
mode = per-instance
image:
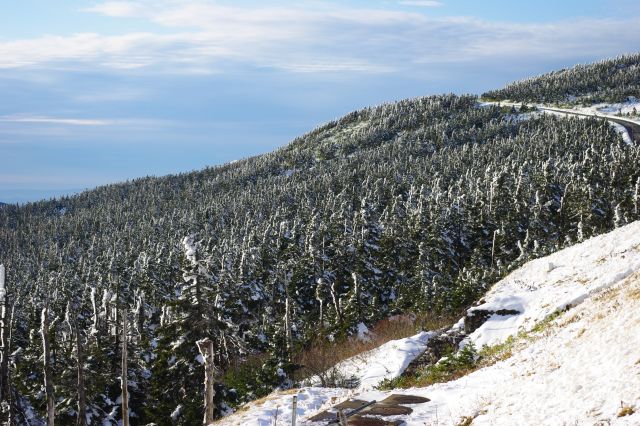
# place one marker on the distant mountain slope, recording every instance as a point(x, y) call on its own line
point(611, 81)
point(418, 205)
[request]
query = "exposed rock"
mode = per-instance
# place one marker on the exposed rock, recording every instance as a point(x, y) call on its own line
point(476, 317)
point(448, 340)
point(445, 342)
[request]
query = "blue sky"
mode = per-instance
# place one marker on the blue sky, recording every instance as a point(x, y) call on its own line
point(103, 91)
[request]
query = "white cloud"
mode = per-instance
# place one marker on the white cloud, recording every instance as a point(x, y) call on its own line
point(421, 3)
point(120, 9)
point(74, 121)
point(206, 37)
point(54, 120)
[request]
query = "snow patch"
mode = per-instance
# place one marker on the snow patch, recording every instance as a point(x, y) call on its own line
point(364, 335)
point(563, 279)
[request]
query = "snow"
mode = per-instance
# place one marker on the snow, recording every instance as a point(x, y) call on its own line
point(599, 110)
point(580, 368)
point(387, 361)
point(190, 249)
point(276, 409)
point(175, 415)
point(370, 368)
point(622, 132)
point(2, 283)
point(363, 333)
point(566, 278)
point(631, 106)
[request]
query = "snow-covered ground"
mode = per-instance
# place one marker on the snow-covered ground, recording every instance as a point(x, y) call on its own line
point(384, 362)
point(582, 368)
point(632, 107)
point(369, 368)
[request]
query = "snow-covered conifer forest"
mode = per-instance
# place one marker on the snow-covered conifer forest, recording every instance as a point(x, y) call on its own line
point(416, 206)
point(611, 81)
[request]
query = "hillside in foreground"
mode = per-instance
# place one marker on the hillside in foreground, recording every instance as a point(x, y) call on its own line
point(568, 356)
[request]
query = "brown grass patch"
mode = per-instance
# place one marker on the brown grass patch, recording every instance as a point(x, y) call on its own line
point(465, 421)
point(626, 410)
point(320, 356)
point(634, 293)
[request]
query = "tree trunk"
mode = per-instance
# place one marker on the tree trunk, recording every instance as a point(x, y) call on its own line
point(5, 342)
point(48, 384)
point(206, 350)
point(82, 405)
point(336, 302)
point(287, 325)
point(124, 368)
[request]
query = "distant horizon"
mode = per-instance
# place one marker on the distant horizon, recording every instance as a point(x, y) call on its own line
point(98, 92)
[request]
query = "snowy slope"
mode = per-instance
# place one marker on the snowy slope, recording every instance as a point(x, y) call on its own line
point(582, 368)
point(370, 368)
point(631, 106)
point(384, 362)
point(555, 282)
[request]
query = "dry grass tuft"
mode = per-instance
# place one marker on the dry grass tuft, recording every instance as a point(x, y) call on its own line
point(320, 356)
point(465, 421)
point(634, 293)
point(626, 410)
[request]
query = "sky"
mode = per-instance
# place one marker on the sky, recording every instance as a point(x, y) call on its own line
point(96, 92)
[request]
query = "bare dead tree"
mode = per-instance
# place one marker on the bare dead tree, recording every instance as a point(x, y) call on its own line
point(124, 370)
point(205, 346)
point(48, 383)
point(5, 342)
point(82, 404)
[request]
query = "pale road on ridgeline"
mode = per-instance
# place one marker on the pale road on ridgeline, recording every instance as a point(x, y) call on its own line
point(632, 127)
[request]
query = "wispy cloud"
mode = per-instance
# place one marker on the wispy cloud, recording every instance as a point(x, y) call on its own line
point(421, 3)
point(54, 120)
point(83, 122)
point(206, 37)
point(120, 9)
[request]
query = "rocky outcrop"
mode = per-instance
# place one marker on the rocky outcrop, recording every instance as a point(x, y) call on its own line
point(447, 341)
point(476, 317)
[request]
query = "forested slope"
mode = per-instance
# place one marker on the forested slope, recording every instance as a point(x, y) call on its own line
point(414, 206)
point(611, 81)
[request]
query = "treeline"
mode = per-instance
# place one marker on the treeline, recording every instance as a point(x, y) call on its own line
point(414, 206)
point(610, 81)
